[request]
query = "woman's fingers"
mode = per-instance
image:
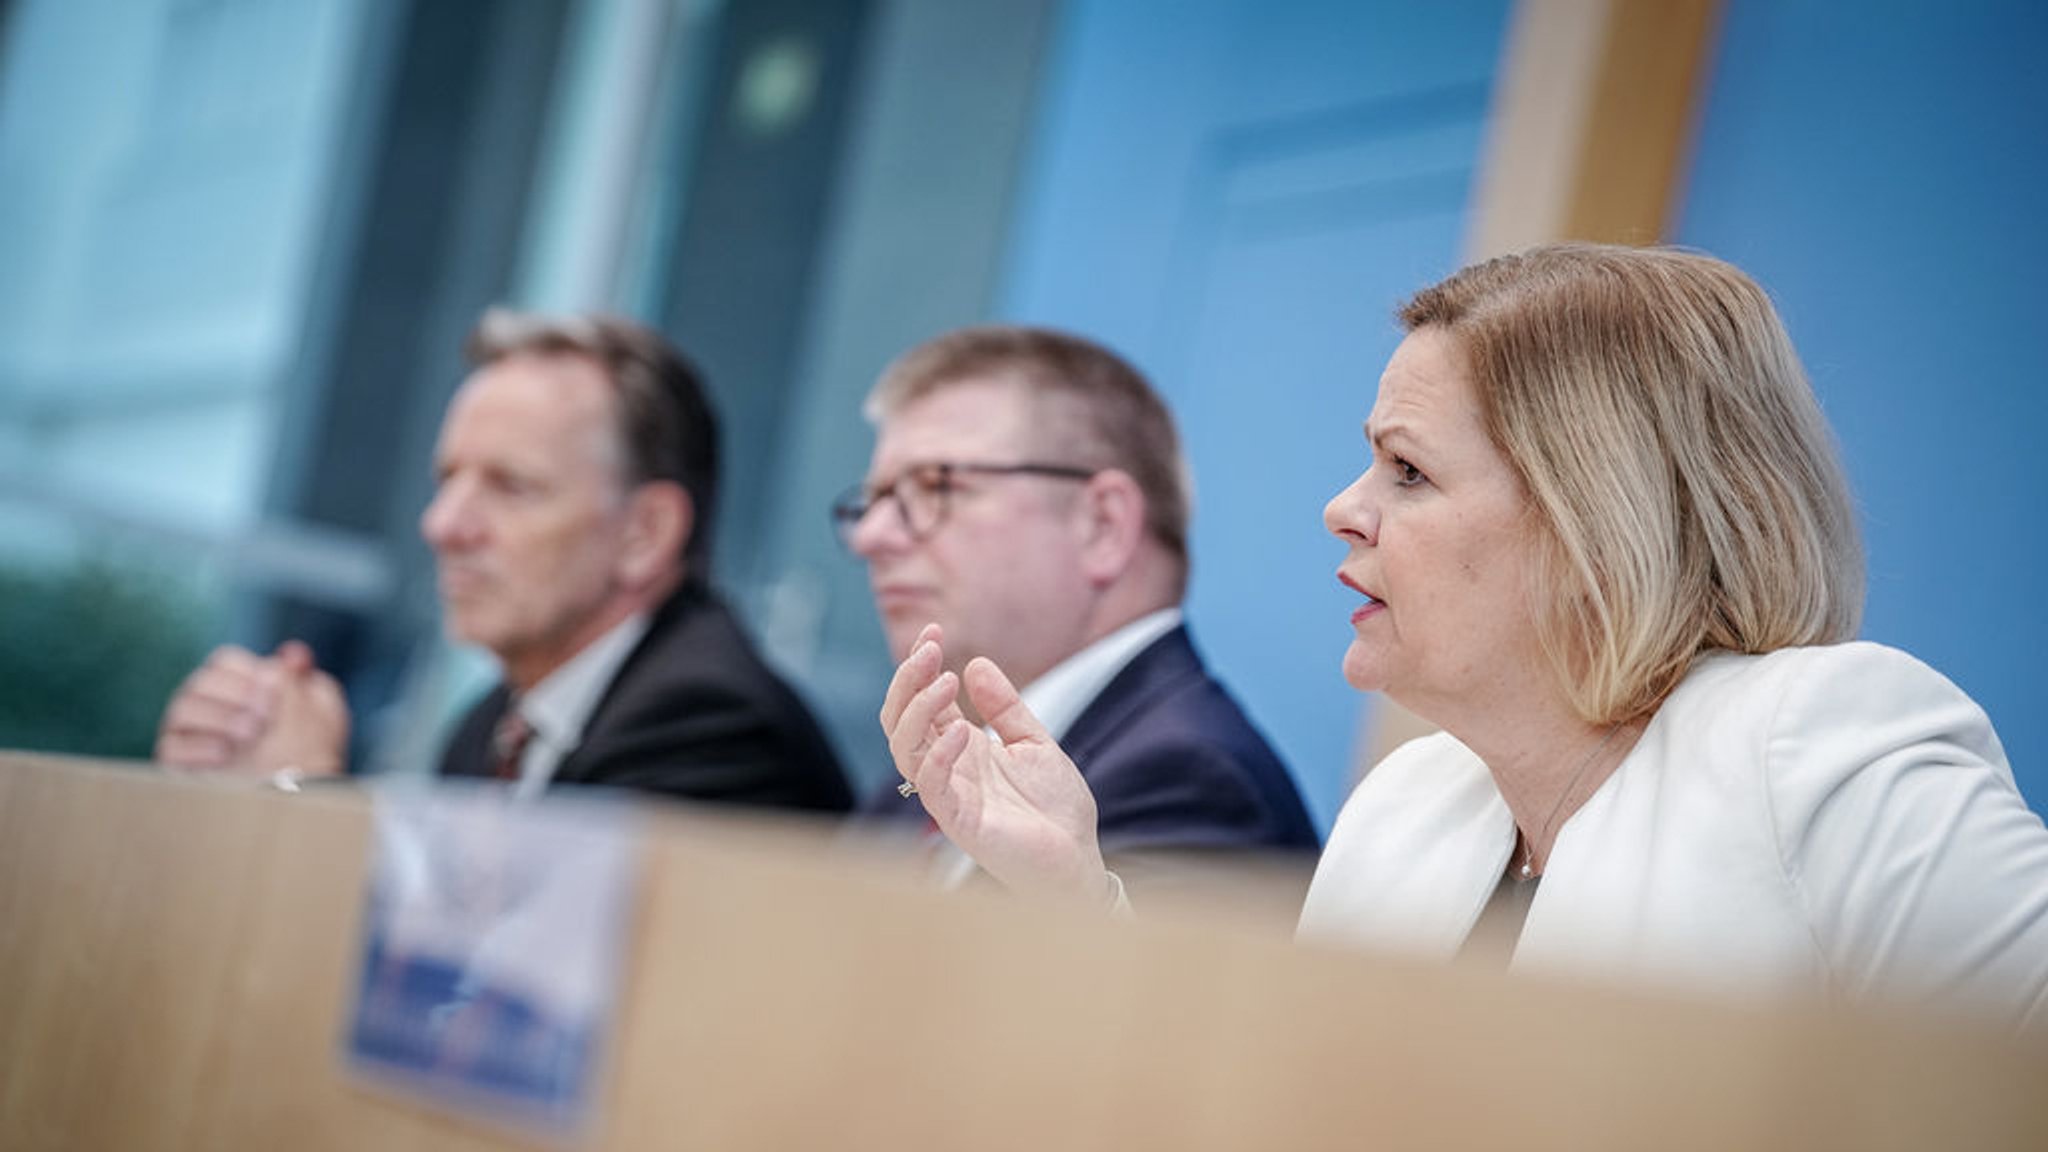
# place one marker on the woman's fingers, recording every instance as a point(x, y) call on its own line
point(963, 792)
point(1016, 803)
point(918, 723)
point(997, 700)
point(946, 776)
point(923, 662)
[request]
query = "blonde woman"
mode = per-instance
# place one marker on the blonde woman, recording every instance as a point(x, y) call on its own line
point(1605, 544)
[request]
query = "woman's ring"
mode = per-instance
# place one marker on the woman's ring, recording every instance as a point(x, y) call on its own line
point(906, 789)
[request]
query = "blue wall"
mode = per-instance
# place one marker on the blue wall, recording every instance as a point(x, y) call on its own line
point(1883, 170)
point(1235, 194)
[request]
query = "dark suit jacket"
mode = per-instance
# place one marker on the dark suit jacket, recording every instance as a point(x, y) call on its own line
point(1174, 763)
point(693, 713)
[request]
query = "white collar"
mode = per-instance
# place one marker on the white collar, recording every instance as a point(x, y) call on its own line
point(560, 706)
point(1067, 689)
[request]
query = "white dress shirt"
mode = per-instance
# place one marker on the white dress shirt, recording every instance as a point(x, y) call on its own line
point(560, 706)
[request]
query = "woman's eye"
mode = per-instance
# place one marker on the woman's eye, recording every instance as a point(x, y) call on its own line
point(1405, 474)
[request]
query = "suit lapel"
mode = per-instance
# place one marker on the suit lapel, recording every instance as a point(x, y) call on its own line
point(1164, 665)
point(469, 750)
point(1417, 851)
point(576, 763)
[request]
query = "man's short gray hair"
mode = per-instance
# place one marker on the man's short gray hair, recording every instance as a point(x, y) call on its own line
point(667, 429)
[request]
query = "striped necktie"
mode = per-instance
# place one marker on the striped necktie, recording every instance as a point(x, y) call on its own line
point(508, 743)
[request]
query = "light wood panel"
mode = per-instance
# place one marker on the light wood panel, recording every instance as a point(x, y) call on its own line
point(1592, 122)
point(175, 957)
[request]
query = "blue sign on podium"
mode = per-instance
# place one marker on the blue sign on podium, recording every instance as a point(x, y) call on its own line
point(493, 950)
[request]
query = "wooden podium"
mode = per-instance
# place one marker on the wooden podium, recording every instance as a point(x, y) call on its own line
point(176, 956)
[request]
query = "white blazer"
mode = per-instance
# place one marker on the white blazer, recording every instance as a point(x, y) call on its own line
point(1837, 818)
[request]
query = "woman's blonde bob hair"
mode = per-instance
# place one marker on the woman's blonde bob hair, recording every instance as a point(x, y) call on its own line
point(1674, 454)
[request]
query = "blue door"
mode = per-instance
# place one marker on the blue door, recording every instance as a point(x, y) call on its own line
point(1236, 195)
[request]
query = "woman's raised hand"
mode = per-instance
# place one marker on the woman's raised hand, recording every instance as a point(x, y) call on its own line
point(1012, 801)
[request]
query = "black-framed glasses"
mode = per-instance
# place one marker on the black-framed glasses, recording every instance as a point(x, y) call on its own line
point(924, 492)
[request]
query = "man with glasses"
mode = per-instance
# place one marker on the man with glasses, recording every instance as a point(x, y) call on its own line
point(575, 479)
point(1027, 494)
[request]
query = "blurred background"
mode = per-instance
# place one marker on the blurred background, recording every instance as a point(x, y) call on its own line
point(241, 242)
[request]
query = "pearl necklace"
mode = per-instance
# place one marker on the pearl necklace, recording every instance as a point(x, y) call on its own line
point(1528, 869)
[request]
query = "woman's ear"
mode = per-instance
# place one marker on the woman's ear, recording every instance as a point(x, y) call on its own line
point(659, 519)
point(1114, 509)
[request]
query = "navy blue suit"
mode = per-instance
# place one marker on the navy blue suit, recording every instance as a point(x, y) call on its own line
point(1174, 763)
